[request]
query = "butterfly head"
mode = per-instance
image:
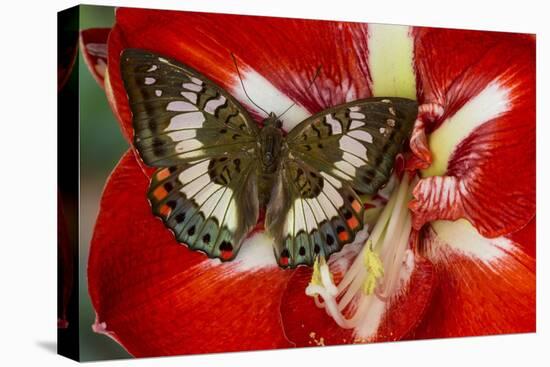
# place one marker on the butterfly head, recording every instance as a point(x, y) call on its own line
point(272, 120)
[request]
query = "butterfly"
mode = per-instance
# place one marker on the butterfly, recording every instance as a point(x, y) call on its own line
point(217, 168)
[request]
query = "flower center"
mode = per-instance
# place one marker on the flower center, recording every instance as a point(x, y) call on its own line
point(383, 264)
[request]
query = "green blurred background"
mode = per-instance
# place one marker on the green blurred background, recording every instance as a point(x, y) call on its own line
point(101, 146)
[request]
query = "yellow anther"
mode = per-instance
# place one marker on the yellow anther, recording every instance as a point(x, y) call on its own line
point(316, 276)
point(375, 270)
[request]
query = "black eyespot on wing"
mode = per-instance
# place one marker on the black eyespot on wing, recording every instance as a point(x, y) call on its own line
point(226, 246)
point(285, 253)
point(180, 217)
point(159, 148)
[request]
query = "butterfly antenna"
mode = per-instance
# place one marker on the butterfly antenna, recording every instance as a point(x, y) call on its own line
point(242, 84)
point(317, 72)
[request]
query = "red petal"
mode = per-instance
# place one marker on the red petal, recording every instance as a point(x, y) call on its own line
point(307, 325)
point(479, 297)
point(526, 238)
point(93, 43)
point(455, 65)
point(284, 51)
point(490, 175)
point(156, 297)
point(409, 307)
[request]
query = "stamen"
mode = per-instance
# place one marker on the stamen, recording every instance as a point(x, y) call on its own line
point(316, 277)
point(360, 297)
point(374, 267)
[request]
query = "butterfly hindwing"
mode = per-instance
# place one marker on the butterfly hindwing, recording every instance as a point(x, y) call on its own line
point(178, 114)
point(356, 142)
point(310, 214)
point(210, 204)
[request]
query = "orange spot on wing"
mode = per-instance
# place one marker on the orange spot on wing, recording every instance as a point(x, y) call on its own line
point(165, 210)
point(353, 222)
point(160, 193)
point(343, 236)
point(356, 205)
point(163, 174)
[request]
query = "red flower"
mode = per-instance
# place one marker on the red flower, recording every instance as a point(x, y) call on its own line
point(420, 275)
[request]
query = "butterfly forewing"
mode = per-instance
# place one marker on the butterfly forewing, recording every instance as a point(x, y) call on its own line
point(178, 114)
point(356, 142)
point(203, 142)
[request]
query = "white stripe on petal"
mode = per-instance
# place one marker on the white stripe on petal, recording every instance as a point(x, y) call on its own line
point(391, 62)
point(267, 96)
point(256, 253)
point(464, 238)
point(490, 103)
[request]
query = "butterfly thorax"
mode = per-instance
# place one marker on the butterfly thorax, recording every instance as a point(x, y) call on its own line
point(271, 150)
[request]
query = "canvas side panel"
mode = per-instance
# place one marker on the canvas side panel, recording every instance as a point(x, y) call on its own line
point(68, 168)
